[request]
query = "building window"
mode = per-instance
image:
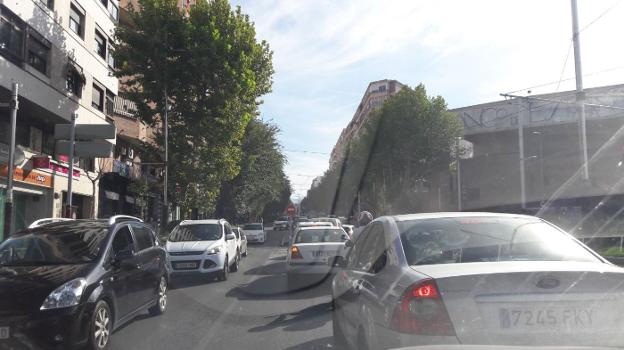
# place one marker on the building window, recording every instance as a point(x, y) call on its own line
point(11, 35)
point(113, 10)
point(38, 53)
point(100, 44)
point(111, 59)
point(75, 79)
point(110, 98)
point(76, 20)
point(382, 88)
point(97, 98)
point(48, 3)
point(36, 139)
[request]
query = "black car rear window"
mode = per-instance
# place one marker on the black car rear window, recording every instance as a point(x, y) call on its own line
point(57, 243)
point(485, 239)
point(253, 227)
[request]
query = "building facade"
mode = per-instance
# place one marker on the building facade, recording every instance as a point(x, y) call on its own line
point(59, 53)
point(374, 96)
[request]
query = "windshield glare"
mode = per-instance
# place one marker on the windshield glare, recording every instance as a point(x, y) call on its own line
point(484, 239)
point(54, 244)
point(197, 232)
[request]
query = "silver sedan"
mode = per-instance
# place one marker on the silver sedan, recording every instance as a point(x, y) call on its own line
point(474, 278)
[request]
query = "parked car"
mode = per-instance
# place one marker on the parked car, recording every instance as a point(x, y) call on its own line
point(241, 239)
point(281, 224)
point(254, 232)
point(203, 247)
point(349, 229)
point(72, 283)
point(474, 278)
point(313, 251)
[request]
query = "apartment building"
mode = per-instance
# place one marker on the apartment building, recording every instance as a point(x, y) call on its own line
point(59, 53)
point(374, 96)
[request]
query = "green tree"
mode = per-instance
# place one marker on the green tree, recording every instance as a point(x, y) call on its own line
point(261, 179)
point(212, 70)
point(398, 157)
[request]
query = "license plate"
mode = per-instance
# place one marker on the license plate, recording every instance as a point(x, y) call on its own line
point(186, 265)
point(520, 318)
point(321, 253)
point(5, 333)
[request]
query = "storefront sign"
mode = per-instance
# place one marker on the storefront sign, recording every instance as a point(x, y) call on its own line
point(28, 176)
point(49, 164)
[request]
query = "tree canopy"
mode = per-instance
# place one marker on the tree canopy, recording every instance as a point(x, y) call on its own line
point(394, 162)
point(212, 70)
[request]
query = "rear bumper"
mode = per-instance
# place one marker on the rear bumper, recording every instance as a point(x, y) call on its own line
point(256, 239)
point(388, 338)
point(64, 328)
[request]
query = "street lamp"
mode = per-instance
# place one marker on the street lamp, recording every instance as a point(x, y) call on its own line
point(541, 157)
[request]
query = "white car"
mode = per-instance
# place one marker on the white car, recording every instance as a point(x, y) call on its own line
point(241, 240)
point(254, 232)
point(334, 221)
point(349, 229)
point(474, 278)
point(313, 251)
point(204, 247)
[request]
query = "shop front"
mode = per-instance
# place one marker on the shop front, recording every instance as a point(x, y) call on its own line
point(32, 196)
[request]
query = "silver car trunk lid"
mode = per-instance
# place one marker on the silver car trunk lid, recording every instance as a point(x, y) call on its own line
point(533, 303)
point(320, 252)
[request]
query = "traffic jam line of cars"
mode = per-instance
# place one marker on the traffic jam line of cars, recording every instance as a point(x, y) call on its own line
point(71, 283)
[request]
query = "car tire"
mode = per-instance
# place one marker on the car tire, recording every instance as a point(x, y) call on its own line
point(245, 252)
point(161, 303)
point(223, 275)
point(234, 267)
point(101, 326)
point(339, 339)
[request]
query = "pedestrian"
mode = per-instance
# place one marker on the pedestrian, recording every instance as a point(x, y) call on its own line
point(364, 219)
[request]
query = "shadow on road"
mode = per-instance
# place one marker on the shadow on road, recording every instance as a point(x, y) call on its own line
point(269, 269)
point(317, 344)
point(275, 287)
point(179, 282)
point(311, 317)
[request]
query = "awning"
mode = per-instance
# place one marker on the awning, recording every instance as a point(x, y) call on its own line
point(112, 195)
point(130, 199)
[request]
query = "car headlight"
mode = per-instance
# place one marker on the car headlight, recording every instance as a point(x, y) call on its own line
point(66, 295)
point(214, 250)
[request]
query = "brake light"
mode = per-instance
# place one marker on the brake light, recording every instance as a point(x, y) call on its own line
point(295, 253)
point(421, 311)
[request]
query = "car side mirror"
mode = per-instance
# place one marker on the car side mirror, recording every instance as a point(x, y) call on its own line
point(348, 243)
point(230, 237)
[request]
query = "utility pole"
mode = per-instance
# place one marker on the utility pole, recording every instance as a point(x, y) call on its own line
point(459, 198)
point(70, 174)
point(166, 175)
point(8, 205)
point(521, 153)
point(580, 95)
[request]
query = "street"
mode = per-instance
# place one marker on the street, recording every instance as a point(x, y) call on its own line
point(251, 310)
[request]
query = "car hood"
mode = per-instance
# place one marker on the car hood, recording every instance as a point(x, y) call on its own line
point(24, 288)
point(191, 246)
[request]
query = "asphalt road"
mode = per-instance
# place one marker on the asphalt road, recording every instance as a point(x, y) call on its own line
point(253, 309)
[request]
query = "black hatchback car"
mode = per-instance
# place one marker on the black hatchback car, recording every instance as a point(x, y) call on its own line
point(70, 284)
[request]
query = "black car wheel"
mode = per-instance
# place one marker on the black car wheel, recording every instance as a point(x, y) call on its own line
point(234, 267)
point(101, 326)
point(223, 275)
point(245, 252)
point(161, 304)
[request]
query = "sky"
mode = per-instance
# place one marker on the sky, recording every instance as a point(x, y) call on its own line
point(469, 52)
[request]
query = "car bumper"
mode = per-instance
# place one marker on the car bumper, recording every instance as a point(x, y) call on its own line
point(205, 264)
point(256, 239)
point(63, 328)
point(388, 338)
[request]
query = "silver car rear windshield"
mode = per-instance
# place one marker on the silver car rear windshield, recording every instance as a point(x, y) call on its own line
point(198, 232)
point(487, 239)
point(320, 236)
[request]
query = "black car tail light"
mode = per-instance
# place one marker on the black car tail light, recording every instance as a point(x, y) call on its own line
point(422, 311)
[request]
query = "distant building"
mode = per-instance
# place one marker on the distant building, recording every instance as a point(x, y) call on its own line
point(374, 96)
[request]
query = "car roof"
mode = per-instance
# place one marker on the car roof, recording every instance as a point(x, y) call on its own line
point(200, 222)
point(407, 217)
point(308, 228)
